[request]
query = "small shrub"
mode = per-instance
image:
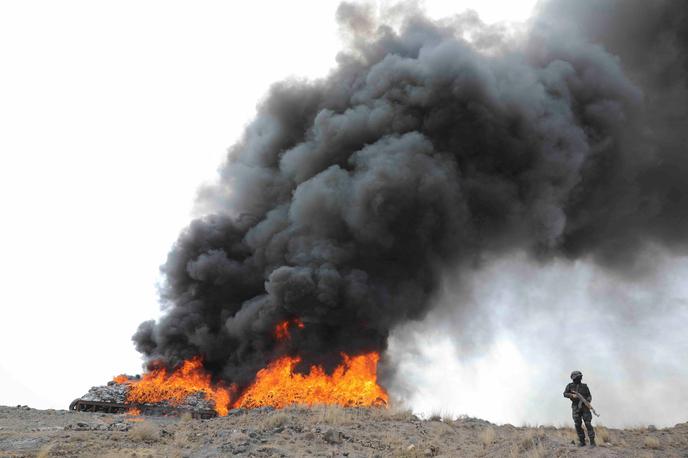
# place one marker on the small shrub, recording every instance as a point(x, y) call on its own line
point(651, 442)
point(435, 416)
point(602, 434)
point(401, 414)
point(447, 418)
point(537, 452)
point(531, 440)
point(392, 414)
point(488, 436)
point(441, 415)
point(514, 452)
point(44, 452)
point(145, 432)
point(568, 434)
point(333, 415)
point(275, 420)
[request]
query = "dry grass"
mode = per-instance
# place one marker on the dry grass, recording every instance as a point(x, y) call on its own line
point(568, 434)
point(125, 453)
point(145, 432)
point(392, 414)
point(44, 452)
point(332, 415)
point(415, 451)
point(274, 420)
point(185, 417)
point(488, 436)
point(537, 452)
point(401, 445)
point(435, 416)
point(651, 442)
point(602, 435)
point(531, 440)
point(394, 441)
point(441, 415)
point(514, 452)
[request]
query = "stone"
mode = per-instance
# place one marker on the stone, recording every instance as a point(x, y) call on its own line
point(430, 451)
point(332, 436)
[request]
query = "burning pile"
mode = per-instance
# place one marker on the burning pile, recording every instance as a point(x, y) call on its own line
point(352, 384)
point(176, 388)
point(190, 387)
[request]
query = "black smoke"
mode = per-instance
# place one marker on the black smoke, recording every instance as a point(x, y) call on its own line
point(424, 151)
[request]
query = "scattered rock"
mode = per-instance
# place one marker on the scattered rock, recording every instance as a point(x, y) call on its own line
point(117, 426)
point(332, 436)
point(430, 451)
point(79, 426)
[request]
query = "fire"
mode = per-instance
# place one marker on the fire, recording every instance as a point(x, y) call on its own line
point(120, 379)
point(158, 386)
point(353, 383)
point(282, 329)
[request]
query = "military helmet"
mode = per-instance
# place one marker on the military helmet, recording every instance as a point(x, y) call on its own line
point(576, 374)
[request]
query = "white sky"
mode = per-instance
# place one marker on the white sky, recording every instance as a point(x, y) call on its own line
point(111, 115)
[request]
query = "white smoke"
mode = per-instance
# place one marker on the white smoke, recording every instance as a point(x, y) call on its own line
point(530, 325)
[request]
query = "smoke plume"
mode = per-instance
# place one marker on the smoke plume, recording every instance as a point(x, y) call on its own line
point(432, 146)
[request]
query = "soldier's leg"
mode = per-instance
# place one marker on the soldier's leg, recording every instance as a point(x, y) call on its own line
point(587, 418)
point(577, 421)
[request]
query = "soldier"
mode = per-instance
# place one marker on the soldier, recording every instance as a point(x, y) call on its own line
point(579, 410)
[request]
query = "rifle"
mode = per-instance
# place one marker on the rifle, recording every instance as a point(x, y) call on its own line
point(582, 400)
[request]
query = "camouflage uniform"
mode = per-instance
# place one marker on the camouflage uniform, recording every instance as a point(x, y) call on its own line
point(580, 411)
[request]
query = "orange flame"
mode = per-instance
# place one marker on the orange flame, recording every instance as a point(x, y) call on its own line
point(158, 386)
point(353, 383)
point(120, 379)
point(282, 329)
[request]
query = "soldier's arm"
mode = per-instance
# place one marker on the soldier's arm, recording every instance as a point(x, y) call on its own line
point(589, 395)
point(568, 393)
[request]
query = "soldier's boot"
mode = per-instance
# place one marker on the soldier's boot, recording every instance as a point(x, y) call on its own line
point(592, 442)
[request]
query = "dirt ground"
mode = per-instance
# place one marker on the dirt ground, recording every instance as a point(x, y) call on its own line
point(319, 431)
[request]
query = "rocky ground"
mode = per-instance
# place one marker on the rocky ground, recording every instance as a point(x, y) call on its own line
point(321, 431)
